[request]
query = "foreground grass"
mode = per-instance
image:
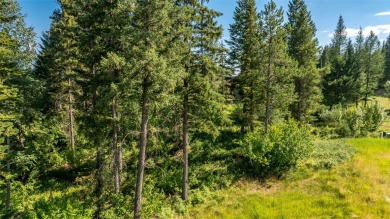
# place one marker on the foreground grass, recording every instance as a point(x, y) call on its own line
point(357, 188)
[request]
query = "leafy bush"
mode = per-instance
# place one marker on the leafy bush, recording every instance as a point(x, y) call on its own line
point(279, 149)
point(352, 121)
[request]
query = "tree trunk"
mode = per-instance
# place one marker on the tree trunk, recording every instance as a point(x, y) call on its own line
point(8, 201)
point(185, 143)
point(115, 148)
point(99, 181)
point(71, 122)
point(252, 108)
point(142, 152)
point(367, 87)
point(268, 84)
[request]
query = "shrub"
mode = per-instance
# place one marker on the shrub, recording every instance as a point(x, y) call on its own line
point(279, 149)
point(374, 115)
point(352, 121)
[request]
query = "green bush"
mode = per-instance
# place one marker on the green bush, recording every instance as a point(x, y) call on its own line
point(278, 150)
point(351, 121)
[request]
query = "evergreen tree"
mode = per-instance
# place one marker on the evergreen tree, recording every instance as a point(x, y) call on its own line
point(8, 96)
point(334, 82)
point(303, 48)
point(201, 102)
point(386, 74)
point(279, 68)
point(17, 51)
point(351, 71)
point(359, 59)
point(372, 65)
point(151, 57)
point(65, 75)
point(244, 56)
point(105, 54)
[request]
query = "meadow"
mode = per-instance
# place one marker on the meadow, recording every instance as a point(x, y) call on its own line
point(350, 183)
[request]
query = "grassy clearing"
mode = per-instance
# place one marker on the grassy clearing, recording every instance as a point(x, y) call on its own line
point(359, 187)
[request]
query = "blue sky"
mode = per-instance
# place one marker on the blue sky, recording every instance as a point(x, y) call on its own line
point(368, 14)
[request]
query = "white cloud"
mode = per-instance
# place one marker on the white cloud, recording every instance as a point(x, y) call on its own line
point(379, 29)
point(324, 31)
point(385, 13)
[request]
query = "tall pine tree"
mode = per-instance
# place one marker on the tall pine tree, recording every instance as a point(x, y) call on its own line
point(245, 57)
point(278, 67)
point(152, 51)
point(386, 73)
point(334, 88)
point(372, 65)
point(303, 48)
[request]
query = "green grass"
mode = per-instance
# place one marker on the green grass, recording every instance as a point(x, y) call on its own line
point(358, 187)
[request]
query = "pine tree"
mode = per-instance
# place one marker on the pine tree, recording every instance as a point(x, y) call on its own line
point(372, 65)
point(67, 64)
point(151, 57)
point(57, 69)
point(8, 97)
point(200, 98)
point(105, 56)
point(351, 72)
point(279, 68)
point(303, 48)
point(334, 88)
point(386, 74)
point(244, 56)
point(360, 57)
point(17, 50)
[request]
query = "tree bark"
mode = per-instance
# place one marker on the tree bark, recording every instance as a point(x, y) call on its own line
point(252, 108)
point(71, 119)
point(268, 84)
point(142, 152)
point(116, 148)
point(99, 181)
point(367, 85)
point(185, 143)
point(8, 201)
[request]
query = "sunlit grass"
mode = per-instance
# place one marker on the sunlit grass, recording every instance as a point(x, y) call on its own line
point(357, 188)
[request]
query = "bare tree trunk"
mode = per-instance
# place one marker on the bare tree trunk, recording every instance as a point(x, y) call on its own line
point(367, 86)
point(267, 110)
point(120, 157)
point(99, 162)
point(142, 152)
point(71, 119)
point(185, 144)
point(267, 96)
point(115, 148)
point(268, 84)
point(99, 181)
point(8, 201)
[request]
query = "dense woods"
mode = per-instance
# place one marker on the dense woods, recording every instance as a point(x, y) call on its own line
point(138, 108)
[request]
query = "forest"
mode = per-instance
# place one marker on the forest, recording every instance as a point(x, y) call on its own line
point(139, 109)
